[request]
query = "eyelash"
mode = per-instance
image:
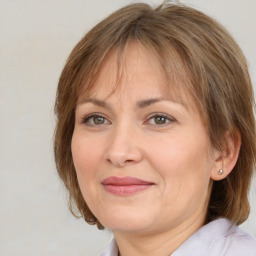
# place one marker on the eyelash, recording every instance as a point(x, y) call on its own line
point(168, 119)
point(161, 115)
point(93, 115)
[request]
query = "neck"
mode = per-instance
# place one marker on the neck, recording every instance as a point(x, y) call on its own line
point(162, 242)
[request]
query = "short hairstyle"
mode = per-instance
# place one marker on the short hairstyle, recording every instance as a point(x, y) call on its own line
point(197, 50)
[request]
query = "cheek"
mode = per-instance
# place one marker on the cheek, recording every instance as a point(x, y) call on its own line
point(85, 153)
point(183, 163)
point(86, 157)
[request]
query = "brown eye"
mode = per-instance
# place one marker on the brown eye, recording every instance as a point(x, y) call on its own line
point(98, 120)
point(160, 120)
point(95, 120)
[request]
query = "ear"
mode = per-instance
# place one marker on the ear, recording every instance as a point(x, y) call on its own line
point(226, 159)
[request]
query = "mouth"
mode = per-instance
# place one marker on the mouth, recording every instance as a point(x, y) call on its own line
point(123, 186)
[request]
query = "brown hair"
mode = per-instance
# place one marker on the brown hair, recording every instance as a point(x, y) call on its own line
point(218, 82)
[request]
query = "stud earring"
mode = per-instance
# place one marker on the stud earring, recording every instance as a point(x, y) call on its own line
point(220, 171)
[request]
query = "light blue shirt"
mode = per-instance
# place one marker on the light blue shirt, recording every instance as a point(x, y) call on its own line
point(217, 238)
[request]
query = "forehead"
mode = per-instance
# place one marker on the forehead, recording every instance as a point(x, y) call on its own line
point(124, 70)
point(136, 66)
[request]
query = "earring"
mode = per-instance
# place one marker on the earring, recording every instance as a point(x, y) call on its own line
point(220, 171)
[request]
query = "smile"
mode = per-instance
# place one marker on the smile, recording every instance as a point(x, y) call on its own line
point(123, 186)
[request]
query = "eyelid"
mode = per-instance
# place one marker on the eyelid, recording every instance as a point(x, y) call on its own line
point(159, 114)
point(86, 118)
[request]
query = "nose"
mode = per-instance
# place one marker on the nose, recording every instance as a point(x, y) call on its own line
point(123, 148)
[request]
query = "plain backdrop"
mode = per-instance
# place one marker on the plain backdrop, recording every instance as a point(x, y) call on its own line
point(36, 36)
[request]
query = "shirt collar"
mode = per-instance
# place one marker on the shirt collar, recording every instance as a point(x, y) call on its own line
point(202, 239)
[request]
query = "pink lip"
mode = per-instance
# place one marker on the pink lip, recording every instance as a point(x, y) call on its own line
point(125, 185)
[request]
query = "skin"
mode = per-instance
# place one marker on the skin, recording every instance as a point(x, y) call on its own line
point(127, 140)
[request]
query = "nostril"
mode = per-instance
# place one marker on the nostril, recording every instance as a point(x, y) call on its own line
point(122, 155)
point(119, 162)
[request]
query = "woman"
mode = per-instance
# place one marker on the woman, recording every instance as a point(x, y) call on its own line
point(155, 136)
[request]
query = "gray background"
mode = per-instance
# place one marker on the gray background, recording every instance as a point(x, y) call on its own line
point(36, 37)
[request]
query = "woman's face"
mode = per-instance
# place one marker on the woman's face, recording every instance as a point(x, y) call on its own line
point(143, 161)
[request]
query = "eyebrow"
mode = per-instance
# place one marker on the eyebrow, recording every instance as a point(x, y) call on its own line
point(96, 102)
point(146, 103)
point(140, 104)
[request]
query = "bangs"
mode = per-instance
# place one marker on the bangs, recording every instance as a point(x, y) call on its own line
point(177, 86)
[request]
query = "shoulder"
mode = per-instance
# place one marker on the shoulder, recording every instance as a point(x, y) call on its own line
point(218, 238)
point(111, 250)
point(236, 242)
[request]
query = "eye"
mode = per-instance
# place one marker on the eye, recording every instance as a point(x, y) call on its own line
point(160, 119)
point(95, 119)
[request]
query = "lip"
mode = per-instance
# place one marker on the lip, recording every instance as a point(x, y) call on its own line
point(123, 186)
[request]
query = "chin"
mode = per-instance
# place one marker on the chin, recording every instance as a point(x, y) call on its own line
point(127, 226)
point(126, 220)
